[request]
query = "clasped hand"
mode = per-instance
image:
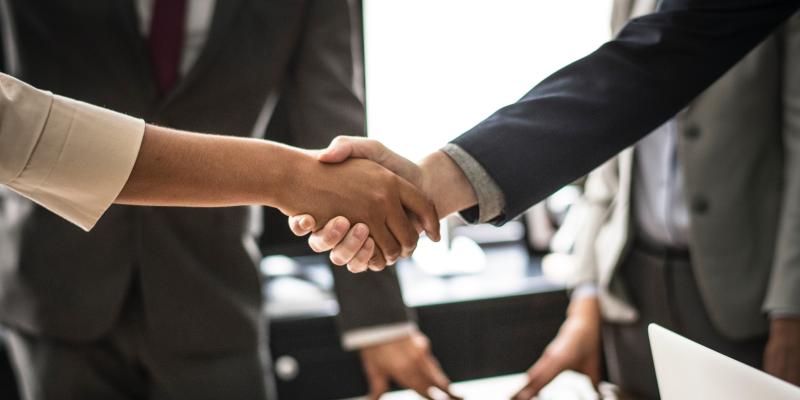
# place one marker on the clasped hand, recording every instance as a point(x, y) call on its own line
point(387, 211)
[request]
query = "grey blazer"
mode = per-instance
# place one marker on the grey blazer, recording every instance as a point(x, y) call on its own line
point(195, 269)
point(740, 148)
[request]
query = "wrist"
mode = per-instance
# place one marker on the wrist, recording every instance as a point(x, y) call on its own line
point(445, 184)
point(286, 181)
point(584, 310)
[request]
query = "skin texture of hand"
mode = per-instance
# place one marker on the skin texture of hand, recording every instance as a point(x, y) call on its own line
point(408, 362)
point(437, 176)
point(177, 168)
point(782, 354)
point(576, 347)
point(367, 193)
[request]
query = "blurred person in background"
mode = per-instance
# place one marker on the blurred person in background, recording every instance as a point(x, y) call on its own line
point(695, 228)
point(167, 302)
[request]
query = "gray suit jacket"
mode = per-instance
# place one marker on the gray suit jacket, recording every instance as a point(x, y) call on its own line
point(195, 268)
point(740, 148)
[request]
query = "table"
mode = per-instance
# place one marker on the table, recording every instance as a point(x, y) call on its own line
point(567, 386)
point(492, 323)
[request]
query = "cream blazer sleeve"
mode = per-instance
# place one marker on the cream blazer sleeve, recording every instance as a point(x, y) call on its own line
point(70, 157)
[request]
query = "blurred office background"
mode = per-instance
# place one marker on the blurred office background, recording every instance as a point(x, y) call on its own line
point(434, 68)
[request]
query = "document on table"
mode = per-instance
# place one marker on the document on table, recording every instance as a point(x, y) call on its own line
point(567, 386)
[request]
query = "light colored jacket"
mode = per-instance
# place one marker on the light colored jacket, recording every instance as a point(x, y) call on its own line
point(739, 144)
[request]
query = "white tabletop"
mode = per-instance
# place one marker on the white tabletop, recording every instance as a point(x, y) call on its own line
point(567, 386)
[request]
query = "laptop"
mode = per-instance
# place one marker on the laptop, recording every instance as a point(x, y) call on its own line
point(687, 370)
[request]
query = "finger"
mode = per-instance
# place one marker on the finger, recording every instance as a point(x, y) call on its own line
point(437, 376)
point(541, 374)
point(526, 393)
point(350, 245)
point(330, 235)
point(361, 260)
point(402, 229)
point(378, 389)
point(415, 381)
point(302, 225)
point(378, 261)
point(378, 382)
point(386, 242)
point(773, 361)
point(344, 147)
point(415, 202)
point(793, 367)
point(417, 225)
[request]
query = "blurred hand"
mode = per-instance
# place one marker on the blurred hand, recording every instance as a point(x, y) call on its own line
point(408, 362)
point(576, 347)
point(782, 354)
point(366, 193)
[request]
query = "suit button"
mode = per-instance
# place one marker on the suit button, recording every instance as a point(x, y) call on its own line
point(287, 368)
point(699, 205)
point(692, 132)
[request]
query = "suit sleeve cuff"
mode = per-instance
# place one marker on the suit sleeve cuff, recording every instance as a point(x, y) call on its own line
point(491, 200)
point(83, 159)
point(375, 335)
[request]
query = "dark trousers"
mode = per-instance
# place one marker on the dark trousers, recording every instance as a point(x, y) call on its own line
point(126, 365)
point(662, 286)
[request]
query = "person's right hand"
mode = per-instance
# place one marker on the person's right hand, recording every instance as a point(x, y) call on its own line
point(576, 347)
point(363, 192)
point(437, 176)
point(353, 247)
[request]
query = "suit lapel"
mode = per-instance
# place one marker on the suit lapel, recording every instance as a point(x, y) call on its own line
point(224, 14)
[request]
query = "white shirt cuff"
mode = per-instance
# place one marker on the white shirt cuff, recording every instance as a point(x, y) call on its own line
point(82, 161)
point(375, 335)
point(584, 290)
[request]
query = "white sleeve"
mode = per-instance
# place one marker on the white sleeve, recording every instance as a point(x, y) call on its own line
point(70, 157)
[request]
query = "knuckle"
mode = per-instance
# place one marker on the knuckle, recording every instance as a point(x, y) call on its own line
point(330, 237)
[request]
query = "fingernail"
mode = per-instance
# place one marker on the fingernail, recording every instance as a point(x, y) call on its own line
point(305, 223)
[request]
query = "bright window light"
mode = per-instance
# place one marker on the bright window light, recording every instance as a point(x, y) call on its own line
point(435, 68)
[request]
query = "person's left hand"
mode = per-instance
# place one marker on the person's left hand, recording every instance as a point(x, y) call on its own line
point(349, 246)
point(409, 363)
point(782, 355)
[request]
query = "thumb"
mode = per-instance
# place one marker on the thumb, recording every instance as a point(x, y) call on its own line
point(302, 225)
point(344, 147)
point(339, 150)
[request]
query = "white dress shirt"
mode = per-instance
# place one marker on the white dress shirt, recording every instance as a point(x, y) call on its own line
point(661, 215)
point(199, 15)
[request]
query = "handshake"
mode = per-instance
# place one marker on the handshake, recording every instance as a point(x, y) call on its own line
point(368, 206)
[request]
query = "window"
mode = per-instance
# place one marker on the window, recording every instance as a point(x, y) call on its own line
point(435, 68)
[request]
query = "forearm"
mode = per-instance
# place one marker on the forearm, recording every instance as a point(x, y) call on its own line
point(446, 184)
point(177, 168)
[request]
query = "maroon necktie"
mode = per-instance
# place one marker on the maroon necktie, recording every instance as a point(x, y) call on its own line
point(166, 41)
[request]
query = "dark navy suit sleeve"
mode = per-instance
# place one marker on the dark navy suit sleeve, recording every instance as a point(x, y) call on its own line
point(592, 109)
